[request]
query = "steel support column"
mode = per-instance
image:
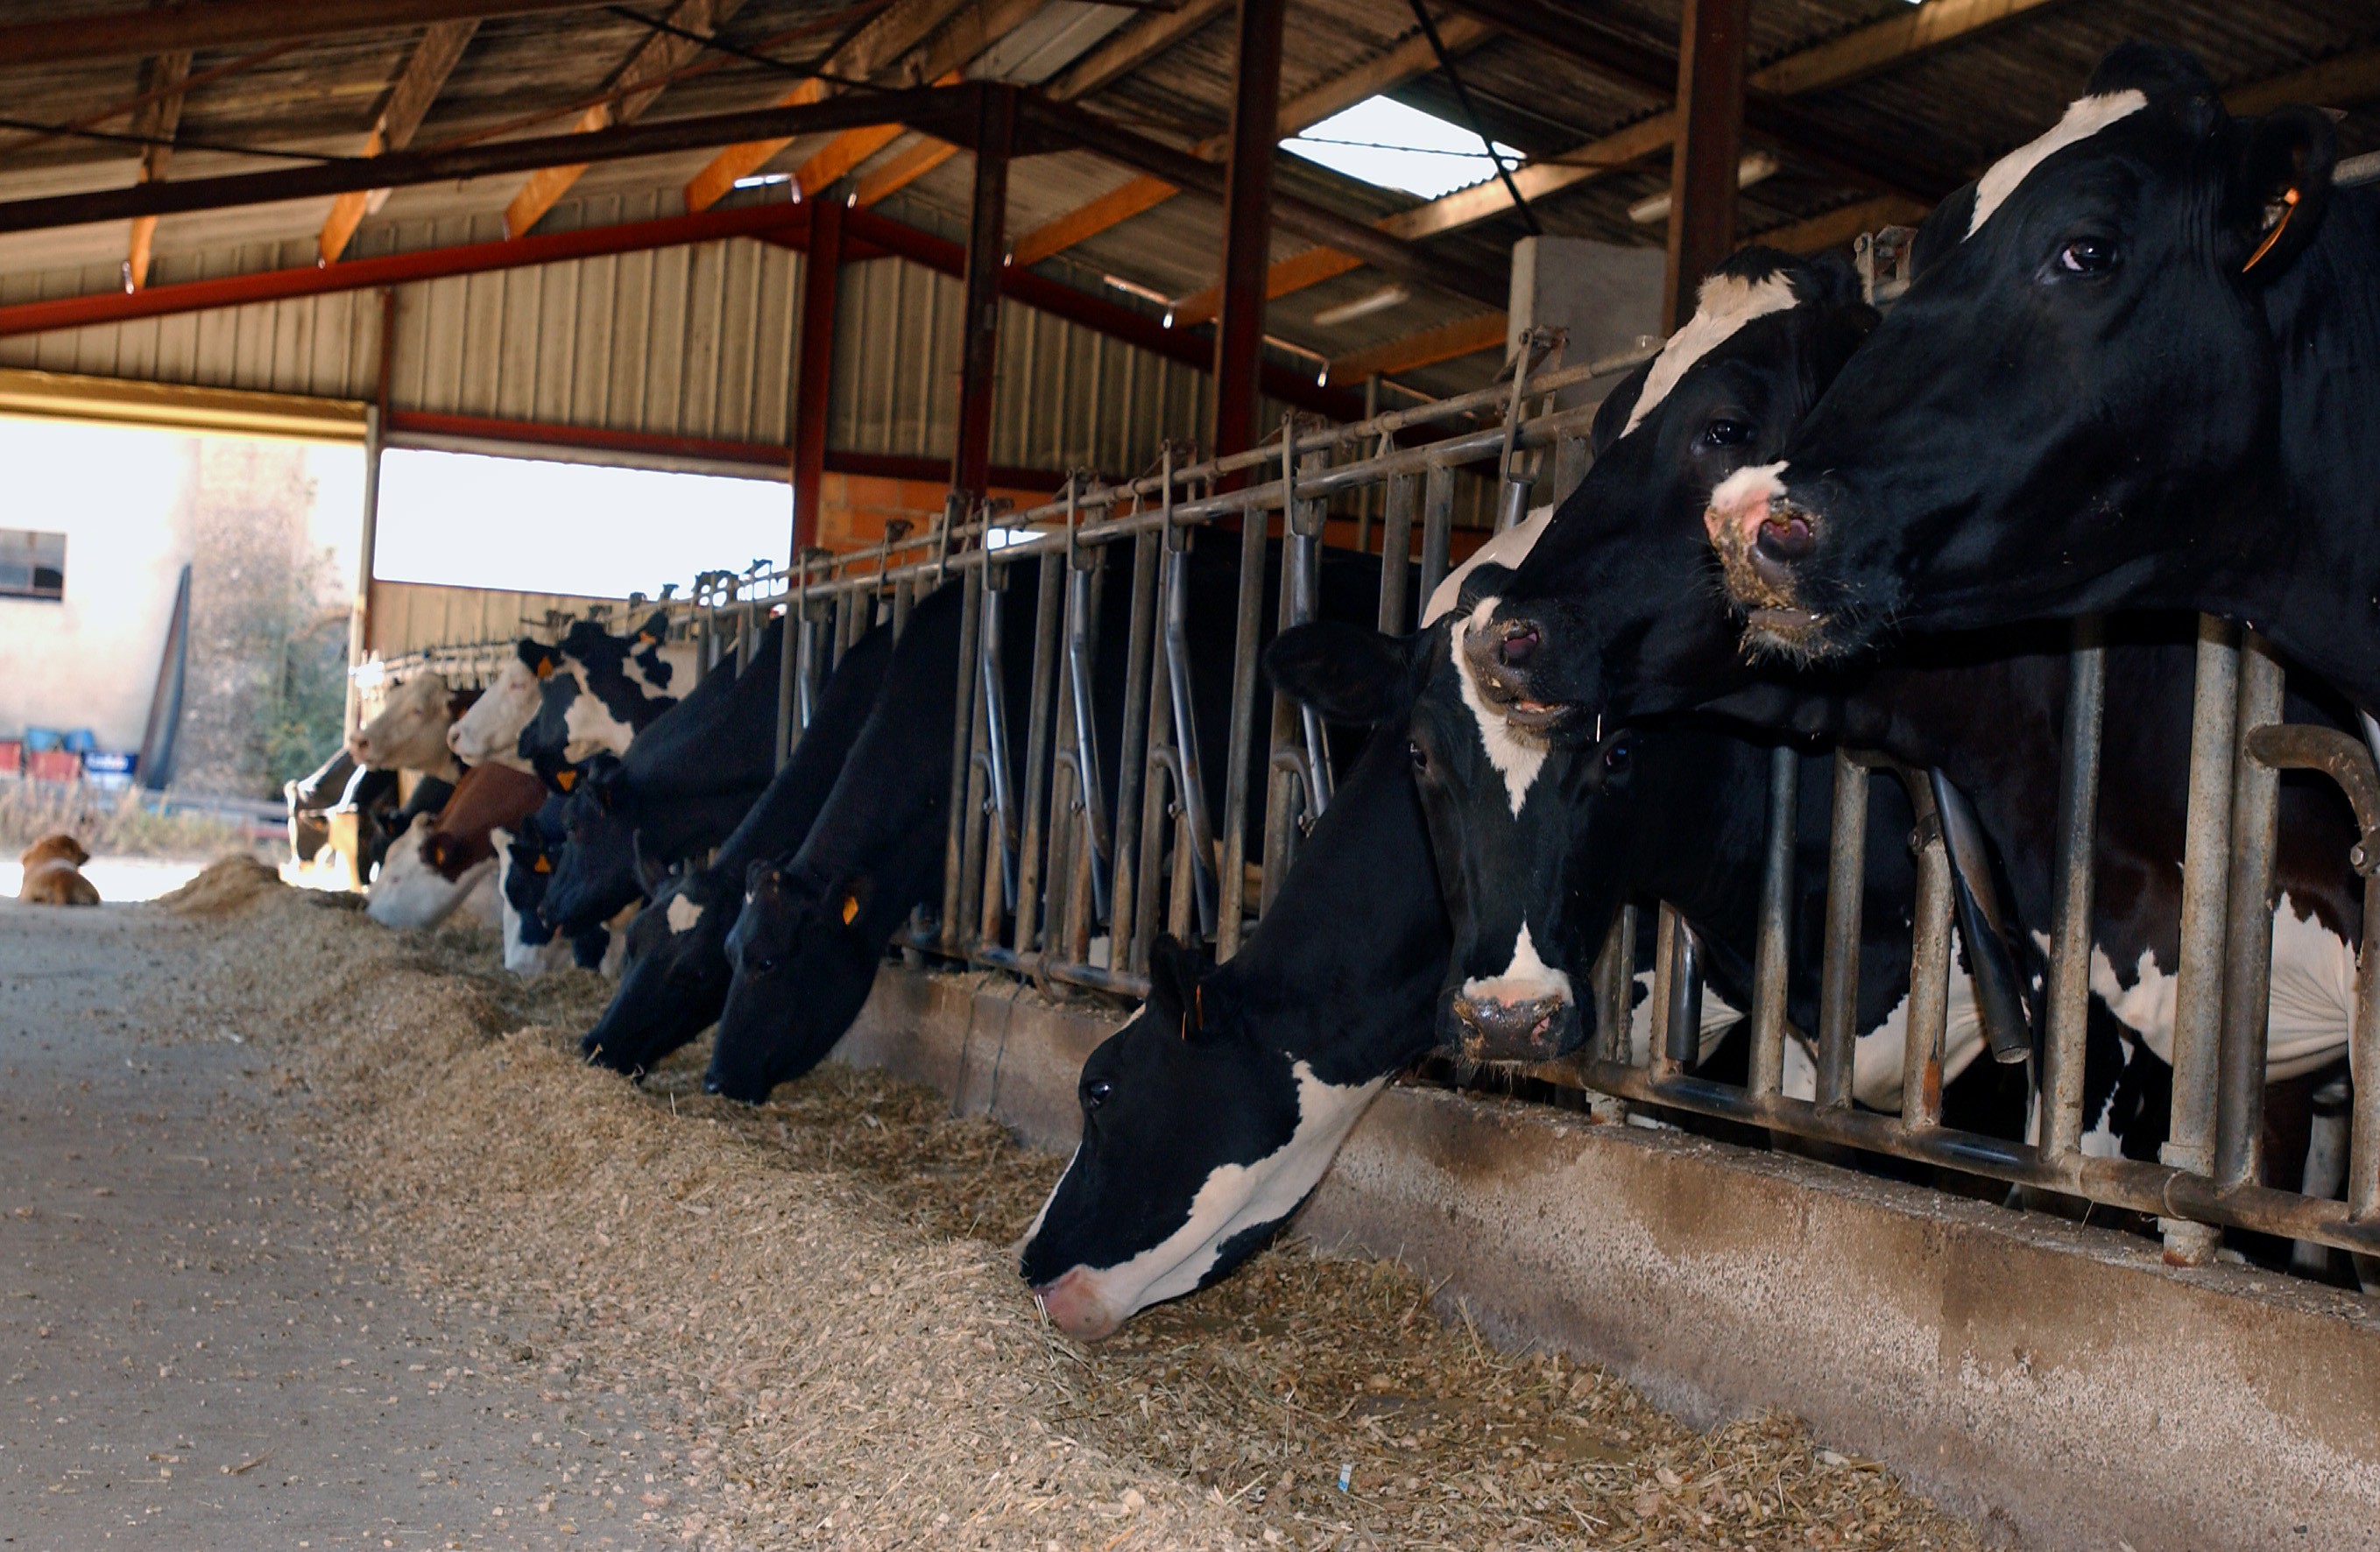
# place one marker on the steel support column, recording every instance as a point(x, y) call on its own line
point(1711, 40)
point(814, 369)
point(368, 534)
point(1247, 226)
point(987, 252)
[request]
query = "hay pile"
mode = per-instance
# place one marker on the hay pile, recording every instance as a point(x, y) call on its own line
point(811, 1296)
point(224, 885)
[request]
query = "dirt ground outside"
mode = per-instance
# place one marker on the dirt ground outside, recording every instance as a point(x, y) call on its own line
point(597, 1311)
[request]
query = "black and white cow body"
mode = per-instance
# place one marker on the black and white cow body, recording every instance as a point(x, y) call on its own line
point(2136, 368)
point(1211, 1115)
point(673, 980)
point(815, 925)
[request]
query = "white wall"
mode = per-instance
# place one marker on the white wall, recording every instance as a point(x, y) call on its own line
point(116, 494)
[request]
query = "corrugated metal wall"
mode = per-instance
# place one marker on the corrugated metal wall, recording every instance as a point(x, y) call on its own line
point(695, 340)
point(407, 617)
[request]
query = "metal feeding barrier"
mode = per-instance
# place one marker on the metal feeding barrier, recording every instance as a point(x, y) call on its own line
point(1062, 870)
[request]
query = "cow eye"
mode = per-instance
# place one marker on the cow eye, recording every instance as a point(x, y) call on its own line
point(1615, 759)
point(1095, 1093)
point(1728, 433)
point(2087, 256)
point(760, 965)
point(1420, 758)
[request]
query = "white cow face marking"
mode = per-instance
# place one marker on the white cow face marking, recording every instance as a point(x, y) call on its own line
point(1090, 1302)
point(1722, 306)
point(683, 914)
point(1516, 755)
point(2084, 117)
point(1527, 979)
point(1507, 549)
point(409, 892)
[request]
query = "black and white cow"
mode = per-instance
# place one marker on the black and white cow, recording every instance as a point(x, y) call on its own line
point(1211, 1115)
point(673, 980)
point(815, 925)
point(2135, 368)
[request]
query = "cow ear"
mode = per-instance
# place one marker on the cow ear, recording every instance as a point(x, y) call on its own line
point(2280, 187)
point(652, 875)
point(654, 630)
point(1350, 674)
point(1173, 974)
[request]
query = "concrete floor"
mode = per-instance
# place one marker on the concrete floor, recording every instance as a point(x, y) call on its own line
point(199, 1350)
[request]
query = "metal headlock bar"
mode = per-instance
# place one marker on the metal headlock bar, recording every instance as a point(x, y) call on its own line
point(1045, 878)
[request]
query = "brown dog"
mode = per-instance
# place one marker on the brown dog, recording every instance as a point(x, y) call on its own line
point(52, 876)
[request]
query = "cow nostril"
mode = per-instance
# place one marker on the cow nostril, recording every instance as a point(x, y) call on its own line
point(1519, 645)
point(1784, 536)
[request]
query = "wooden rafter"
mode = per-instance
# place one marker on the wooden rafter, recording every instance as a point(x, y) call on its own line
point(656, 56)
point(903, 169)
point(1127, 52)
point(1464, 336)
point(1837, 227)
point(139, 31)
point(157, 121)
point(1409, 59)
point(409, 96)
point(869, 53)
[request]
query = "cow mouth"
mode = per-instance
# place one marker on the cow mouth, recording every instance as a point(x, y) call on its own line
point(1538, 715)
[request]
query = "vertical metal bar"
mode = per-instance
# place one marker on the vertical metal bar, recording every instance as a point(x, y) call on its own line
point(1366, 497)
point(905, 599)
point(1772, 949)
point(1284, 786)
point(1232, 862)
point(1396, 551)
point(1615, 970)
point(2248, 927)
point(1192, 793)
point(789, 653)
point(1037, 748)
point(1513, 492)
point(2364, 1134)
point(2206, 878)
point(367, 537)
point(1571, 456)
point(1081, 647)
point(2075, 878)
point(962, 767)
point(846, 604)
point(1436, 526)
point(1667, 928)
point(1839, 969)
point(814, 367)
point(1132, 759)
point(995, 721)
point(1929, 968)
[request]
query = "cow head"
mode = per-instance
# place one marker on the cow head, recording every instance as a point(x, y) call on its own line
point(674, 975)
point(2083, 363)
point(410, 731)
point(491, 730)
point(1149, 1209)
point(805, 953)
point(411, 890)
point(595, 872)
point(1537, 842)
point(1609, 608)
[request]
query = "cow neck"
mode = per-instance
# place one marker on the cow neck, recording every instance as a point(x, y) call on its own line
point(1343, 971)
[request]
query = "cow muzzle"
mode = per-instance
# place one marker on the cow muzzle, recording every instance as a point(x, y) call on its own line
point(1502, 656)
point(1487, 1028)
point(1764, 537)
point(1073, 1306)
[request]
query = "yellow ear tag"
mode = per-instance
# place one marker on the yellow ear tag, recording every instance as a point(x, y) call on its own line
point(850, 909)
point(563, 779)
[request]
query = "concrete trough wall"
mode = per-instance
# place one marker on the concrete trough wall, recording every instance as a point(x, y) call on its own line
point(2057, 1382)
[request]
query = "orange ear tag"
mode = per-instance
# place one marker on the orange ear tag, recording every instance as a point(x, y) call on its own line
point(850, 909)
point(542, 865)
point(545, 669)
point(563, 779)
point(2289, 208)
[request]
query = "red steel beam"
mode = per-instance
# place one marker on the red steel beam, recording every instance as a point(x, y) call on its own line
point(987, 252)
point(1247, 226)
point(1711, 46)
point(814, 367)
point(757, 456)
point(790, 223)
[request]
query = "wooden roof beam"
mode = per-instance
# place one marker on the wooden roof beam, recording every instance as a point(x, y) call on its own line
point(157, 121)
point(904, 170)
point(148, 30)
point(652, 59)
point(1446, 341)
point(873, 50)
point(409, 96)
point(1121, 55)
point(1407, 60)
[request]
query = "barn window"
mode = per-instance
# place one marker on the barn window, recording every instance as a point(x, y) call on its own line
point(1388, 145)
point(32, 564)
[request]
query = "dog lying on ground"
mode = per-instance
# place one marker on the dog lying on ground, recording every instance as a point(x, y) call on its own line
point(53, 875)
